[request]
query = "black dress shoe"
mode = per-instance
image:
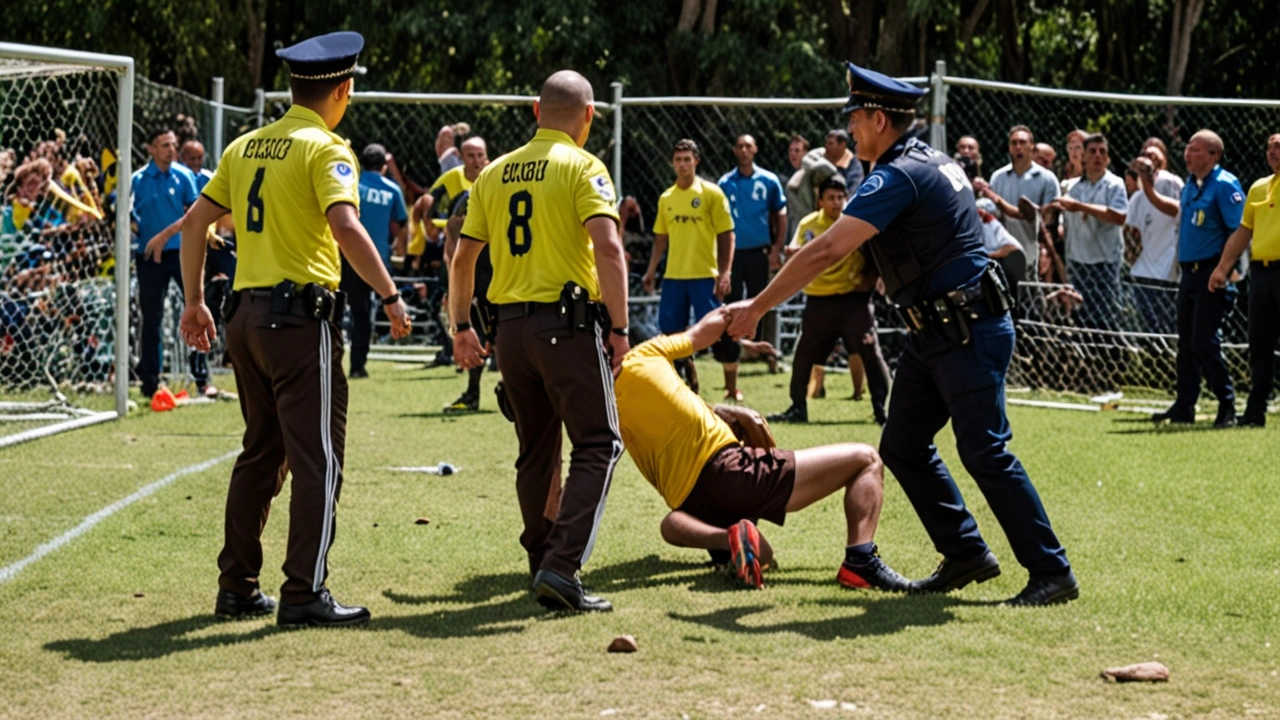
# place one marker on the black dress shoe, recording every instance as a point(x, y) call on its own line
point(1248, 420)
point(324, 611)
point(955, 574)
point(234, 606)
point(1226, 415)
point(1046, 590)
point(556, 592)
point(793, 414)
point(1174, 415)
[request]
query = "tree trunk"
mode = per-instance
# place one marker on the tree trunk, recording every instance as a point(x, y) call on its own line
point(893, 53)
point(1186, 15)
point(970, 25)
point(1011, 60)
point(255, 15)
point(689, 12)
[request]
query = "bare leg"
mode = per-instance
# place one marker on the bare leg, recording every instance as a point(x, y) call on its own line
point(684, 530)
point(730, 379)
point(817, 381)
point(856, 374)
point(857, 468)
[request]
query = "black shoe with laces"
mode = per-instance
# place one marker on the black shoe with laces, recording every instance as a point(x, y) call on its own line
point(1226, 415)
point(1175, 416)
point(234, 606)
point(793, 414)
point(1046, 590)
point(874, 575)
point(468, 402)
point(955, 574)
point(1251, 420)
point(557, 592)
point(324, 611)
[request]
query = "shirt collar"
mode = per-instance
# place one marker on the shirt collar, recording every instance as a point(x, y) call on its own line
point(896, 149)
point(755, 170)
point(554, 136)
point(307, 115)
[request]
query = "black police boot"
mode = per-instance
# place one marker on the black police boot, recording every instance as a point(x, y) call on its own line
point(1252, 419)
point(1226, 415)
point(1175, 415)
point(793, 414)
point(878, 413)
point(468, 402)
point(557, 592)
point(1046, 590)
point(234, 606)
point(955, 574)
point(324, 611)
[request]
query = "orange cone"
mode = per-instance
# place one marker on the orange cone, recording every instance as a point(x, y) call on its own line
point(163, 400)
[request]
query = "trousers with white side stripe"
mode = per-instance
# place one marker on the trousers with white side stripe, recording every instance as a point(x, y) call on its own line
point(293, 396)
point(559, 380)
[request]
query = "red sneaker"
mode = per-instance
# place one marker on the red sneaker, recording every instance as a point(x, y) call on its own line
point(744, 553)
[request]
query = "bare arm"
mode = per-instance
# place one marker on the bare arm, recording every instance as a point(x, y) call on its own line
point(1102, 212)
point(611, 269)
point(1235, 246)
point(467, 352)
point(197, 325)
point(655, 257)
point(359, 249)
point(1167, 205)
point(452, 231)
point(401, 235)
point(724, 263)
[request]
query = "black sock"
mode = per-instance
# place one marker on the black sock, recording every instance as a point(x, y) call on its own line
point(859, 555)
point(473, 380)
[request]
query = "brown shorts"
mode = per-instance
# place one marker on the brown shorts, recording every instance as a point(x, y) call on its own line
point(740, 483)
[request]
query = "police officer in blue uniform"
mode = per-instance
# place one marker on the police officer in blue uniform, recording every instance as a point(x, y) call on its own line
point(917, 216)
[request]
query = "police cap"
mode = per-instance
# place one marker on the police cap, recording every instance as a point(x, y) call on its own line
point(877, 91)
point(325, 57)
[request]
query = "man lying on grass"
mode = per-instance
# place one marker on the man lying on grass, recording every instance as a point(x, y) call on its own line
point(719, 484)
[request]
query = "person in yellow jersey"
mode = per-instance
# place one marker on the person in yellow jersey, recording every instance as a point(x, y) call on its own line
point(547, 212)
point(694, 230)
point(292, 190)
point(837, 306)
point(1261, 226)
point(719, 487)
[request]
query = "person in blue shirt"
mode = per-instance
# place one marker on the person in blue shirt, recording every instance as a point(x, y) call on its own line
point(1210, 208)
point(383, 215)
point(917, 216)
point(759, 206)
point(220, 263)
point(162, 192)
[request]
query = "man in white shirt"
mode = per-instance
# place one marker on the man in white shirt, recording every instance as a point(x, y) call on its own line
point(1154, 232)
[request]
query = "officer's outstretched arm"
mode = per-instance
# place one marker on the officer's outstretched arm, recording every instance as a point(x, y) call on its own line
point(709, 329)
point(845, 236)
point(196, 325)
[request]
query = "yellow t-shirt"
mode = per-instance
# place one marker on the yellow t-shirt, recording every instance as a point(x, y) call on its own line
point(278, 182)
point(691, 219)
point(530, 206)
point(1261, 217)
point(838, 279)
point(447, 188)
point(669, 431)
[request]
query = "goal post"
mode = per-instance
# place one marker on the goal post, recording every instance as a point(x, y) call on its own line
point(72, 91)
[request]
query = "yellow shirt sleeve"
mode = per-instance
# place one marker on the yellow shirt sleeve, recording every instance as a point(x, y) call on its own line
point(336, 177)
point(595, 195)
point(1257, 195)
point(660, 219)
point(667, 346)
point(721, 216)
point(219, 187)
point(476, 226)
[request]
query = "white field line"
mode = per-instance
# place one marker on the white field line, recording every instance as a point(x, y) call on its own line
point(10, 571)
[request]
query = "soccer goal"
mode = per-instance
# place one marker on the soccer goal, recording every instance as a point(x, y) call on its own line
point(65, 163)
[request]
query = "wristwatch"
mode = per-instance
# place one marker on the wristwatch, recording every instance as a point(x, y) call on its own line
point(621, 332)
point(391, 299)
point(461, 327)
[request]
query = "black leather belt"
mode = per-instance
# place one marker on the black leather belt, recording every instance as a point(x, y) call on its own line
point(512, 311)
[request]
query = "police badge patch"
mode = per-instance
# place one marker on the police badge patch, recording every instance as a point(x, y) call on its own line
point(603, 187)
point(343, 173)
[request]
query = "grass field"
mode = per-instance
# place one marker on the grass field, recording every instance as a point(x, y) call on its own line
point(1172, 533)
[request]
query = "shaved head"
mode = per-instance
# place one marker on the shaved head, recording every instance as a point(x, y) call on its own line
point(566, 104)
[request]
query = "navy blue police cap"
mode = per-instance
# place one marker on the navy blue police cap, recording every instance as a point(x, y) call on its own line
point(877, 91)
point(325, 57)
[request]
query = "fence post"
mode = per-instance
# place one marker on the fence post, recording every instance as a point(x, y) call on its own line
point(259, 103)
point(938, 123)
point(617, 139)
point(218, 121)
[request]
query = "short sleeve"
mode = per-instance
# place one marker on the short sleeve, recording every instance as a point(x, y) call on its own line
point(218, 189)
point(666, 346)
point(594, 195)
point(334, 177)
point(189, 190)
point(1257, 194)
point(721, 216)
point(1052, 190)
point(1117, 198)
point(1231, 203)
point(398, 211)
point(881, 198)
point(660, 219)
point(476, 225)
point(777, 199)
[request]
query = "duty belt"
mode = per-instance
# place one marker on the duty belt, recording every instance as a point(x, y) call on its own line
point(308, 301)
point(950, 314)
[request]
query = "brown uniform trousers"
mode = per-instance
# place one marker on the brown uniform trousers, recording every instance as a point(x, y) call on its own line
point(554, 378)
point(826, 318)
point(293, 395)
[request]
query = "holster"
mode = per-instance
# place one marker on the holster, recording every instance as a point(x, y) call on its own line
point(578, 310)
point(487, 314)
point(310, 301)
point(230, 306)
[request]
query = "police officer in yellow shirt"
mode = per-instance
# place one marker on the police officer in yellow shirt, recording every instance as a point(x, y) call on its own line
point(693, 228)
point(292, 190)
point(547, 212)
point(837, 306)
point(1261, 226)
point(718, 488)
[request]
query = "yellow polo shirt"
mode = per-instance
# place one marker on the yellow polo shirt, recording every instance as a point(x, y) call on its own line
point(530, 206)
point(838, 279)
point(1261, 216)
point(447, 188)
point(691, 218)
point(669, 431)
point(278, 182)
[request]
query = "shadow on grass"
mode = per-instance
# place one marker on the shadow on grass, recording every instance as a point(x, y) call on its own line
point(1146, 427)
point(447, 416)
point(157, 641)
point(881, 615)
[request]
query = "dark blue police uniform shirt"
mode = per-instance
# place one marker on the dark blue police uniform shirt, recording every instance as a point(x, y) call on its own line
point(919, 199)
point(159, 200)
point(1210, 212)
point(381, 202)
